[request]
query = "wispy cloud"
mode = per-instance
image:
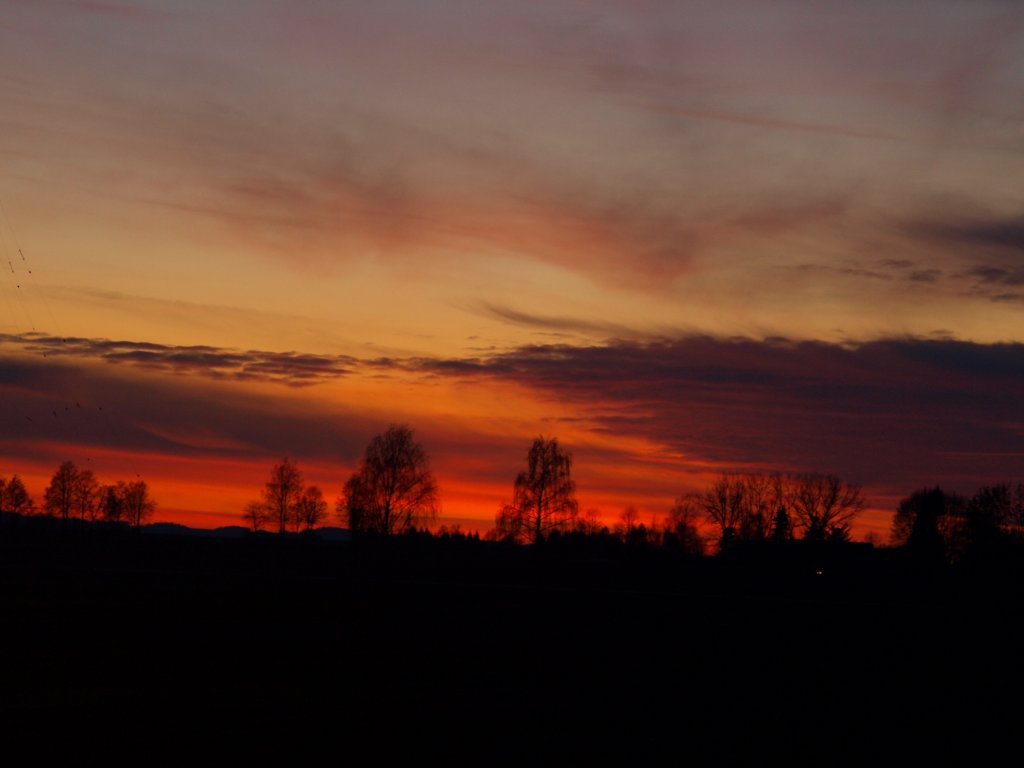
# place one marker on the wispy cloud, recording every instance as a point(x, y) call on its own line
point(556, 323)
point(984, 250)
point(998, 275)
point(289, 368)
point(767, 122)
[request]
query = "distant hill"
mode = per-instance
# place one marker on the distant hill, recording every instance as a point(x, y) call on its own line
point(239, 532)
point(328, 533)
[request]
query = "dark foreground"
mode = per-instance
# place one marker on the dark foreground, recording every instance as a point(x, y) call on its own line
point(502, 654)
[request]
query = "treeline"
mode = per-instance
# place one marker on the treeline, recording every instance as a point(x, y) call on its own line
point(393, 491)
point(944, 526)
point(75, 493)
point(759, 507)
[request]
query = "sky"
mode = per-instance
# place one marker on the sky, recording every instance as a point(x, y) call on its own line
point(683, 238)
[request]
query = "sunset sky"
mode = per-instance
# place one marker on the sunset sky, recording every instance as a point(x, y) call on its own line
point(681, 237)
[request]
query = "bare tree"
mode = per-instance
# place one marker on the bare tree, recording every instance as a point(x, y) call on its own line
point(393, 491)
point(543, 497)
point(59, 496)
point(84, 494)
point(138, 505)
point(110, 502)
point(282, 492)
point(14, 496)
point(724, 505)
point(589, 523)
point(627, 522)
point(310, 509)
point(682, 525)
point(753, 507)
point(824, 505)
point(763, 500)
point(256, 514)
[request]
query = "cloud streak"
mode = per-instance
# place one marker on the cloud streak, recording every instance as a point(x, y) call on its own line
point(768, 123)
point(289, 368)
point(75, 403)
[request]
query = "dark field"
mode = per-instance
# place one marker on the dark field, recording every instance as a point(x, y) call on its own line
point(559, 654)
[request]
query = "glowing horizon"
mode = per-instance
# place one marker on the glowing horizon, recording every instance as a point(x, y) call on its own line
point(684, 239)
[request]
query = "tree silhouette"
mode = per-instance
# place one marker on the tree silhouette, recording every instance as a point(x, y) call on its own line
point(137, 504)
point(59, 496)
point(84, 494)
point(762, 502)
point(987, 521)
point(255, 515)
point(543, 497)
point(310, 508)
point(723, 505)
point(782, 526)
point(393, 491)
point(589, 523)
point(752, 507)
point(922, 519)
point(681, 530)
point(824, 505)
point(110, 502)
point(14, 496)
point(282, 492)
point(628, 519)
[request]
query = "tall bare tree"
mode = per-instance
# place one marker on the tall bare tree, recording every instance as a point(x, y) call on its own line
point(111, 502)
point(763, 500)
point(824, 505)
point(282, 492)
point(14, 496)
point(393, 491)
point(59, 496)
point(310, 508)
point(543, 496)
point(138, 504)
point(724, 505)
point(85, 494)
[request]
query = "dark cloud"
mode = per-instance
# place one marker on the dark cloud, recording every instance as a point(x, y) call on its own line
point(924, 275)
point(986, 232)
point(65, 402)
point(851, 271)
point(998, 275)
point(985, 251)
point(290, 368)
point(894, 413)
point(999, 232)
point(1013, 298)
